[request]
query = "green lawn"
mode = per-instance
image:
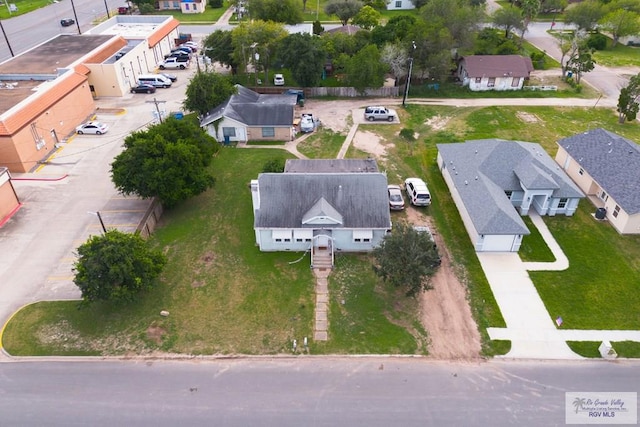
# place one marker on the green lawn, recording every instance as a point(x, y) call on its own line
point(619, 56)
point(601, 285)
point(323, 144)
point(226, 297)
point(209, 16)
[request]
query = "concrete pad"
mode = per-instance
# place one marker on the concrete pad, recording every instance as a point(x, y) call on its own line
point(320, 316)
point(322, 289)
point(320, 336)
point(322, 299)
point(321, 306)
point(321, 325)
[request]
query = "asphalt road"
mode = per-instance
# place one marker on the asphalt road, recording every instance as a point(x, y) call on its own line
point(302, 392)
point(31, 29)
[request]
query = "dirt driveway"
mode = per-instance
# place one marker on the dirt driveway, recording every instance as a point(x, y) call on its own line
point(445, 311)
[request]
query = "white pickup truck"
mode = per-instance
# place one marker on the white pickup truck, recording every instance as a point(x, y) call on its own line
point(173, 64)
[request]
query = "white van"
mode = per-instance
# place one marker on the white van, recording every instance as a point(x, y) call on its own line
point(417, 191)
point(157, 80)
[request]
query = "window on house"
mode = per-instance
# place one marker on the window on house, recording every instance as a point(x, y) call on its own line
point(604, 196)
point(492, 82)
point(478, 80)
point(616, 211)
point(231, 132)
point(581, 171)
point(186, 6)
point(508, 194)
point(362, 236)
point(515, 82)
point(268, 132)
point(399, 4)
point(562, 203)
point(176, 4)
point(281, 235)
point(166, 4)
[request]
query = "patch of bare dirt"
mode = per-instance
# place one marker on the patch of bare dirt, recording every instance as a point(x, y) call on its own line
point(155, 334)
point(437, 122)
point(369, 142)
point(527, 117)
point(446, 314)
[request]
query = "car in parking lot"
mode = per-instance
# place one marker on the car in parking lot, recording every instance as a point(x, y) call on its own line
point(174, 63)
point(396, 202)
point(92, 127)
point(143, 88)
point(379, 113)
point(278, 80)
point(67, 22)
point(171, 77)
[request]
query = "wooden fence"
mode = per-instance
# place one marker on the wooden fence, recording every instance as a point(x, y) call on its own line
point(339, 92)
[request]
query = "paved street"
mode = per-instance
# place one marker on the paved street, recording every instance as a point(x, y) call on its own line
point(302, 391)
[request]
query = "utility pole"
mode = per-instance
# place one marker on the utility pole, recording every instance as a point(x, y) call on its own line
point(6, 38)
point(107, 7)
point(75, 15)
point(156, 102)
point(406, 89)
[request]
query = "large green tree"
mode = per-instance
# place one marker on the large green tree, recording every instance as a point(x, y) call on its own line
point(207, 90)
point(116, 267)
point(508, 18)
point(219, 47)
point(286, 11)
point(304, 56)
point(407, 259)
point(585, 15)
point(620, 23)
point(367, 18)
point(258, 39)
point(461, 20)
point(580, 64)
point(365, 69)
point(343, 9)
point(628, 100)
point(396, 29)
point(169, 160)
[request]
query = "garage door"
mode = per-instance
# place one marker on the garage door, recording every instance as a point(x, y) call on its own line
point(498, 243)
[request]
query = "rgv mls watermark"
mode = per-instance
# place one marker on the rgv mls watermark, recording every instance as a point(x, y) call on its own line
point(601, 407)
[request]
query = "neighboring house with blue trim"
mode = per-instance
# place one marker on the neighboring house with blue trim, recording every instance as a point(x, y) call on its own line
point(185, 6)
point(606, 167)
point(325, 205)
point(494, 72)
point(250, 116)
point(493, 182)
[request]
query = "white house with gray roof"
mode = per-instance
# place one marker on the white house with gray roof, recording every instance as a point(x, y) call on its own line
point(606, 167)
point(250, 116)
point(299, 211)
point(493, 182)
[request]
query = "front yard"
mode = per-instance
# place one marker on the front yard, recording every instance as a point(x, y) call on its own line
point(225, 297)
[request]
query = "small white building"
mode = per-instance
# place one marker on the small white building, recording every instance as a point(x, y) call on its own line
point(400, 5)
point(494, 72)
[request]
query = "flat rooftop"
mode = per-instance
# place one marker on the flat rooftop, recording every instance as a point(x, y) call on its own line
point(59, 52)
point(131, 26)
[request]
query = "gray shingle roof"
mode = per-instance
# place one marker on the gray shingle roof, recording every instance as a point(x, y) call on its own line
point(330, 165)
point(612, 161)
point(483, 170)
point(287, 198)
point(497, 65)
point(254, 109)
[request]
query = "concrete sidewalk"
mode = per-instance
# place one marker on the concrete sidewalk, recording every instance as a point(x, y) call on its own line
point(530, 328)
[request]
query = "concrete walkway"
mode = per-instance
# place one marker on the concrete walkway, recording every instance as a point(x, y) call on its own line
point(530, 328)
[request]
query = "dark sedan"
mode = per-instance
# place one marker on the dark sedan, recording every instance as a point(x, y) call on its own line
point(67, 22)
point(143, 89)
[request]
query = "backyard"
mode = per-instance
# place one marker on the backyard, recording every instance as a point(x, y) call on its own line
point(225, 297)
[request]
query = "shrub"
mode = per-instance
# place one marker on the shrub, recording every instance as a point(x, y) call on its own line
point(597, 41)
point(274, 165)
point(216, 4)
point(408, 134)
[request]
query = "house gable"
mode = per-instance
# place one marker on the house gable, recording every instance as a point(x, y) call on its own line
point(322, 213)
point(612, 161)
